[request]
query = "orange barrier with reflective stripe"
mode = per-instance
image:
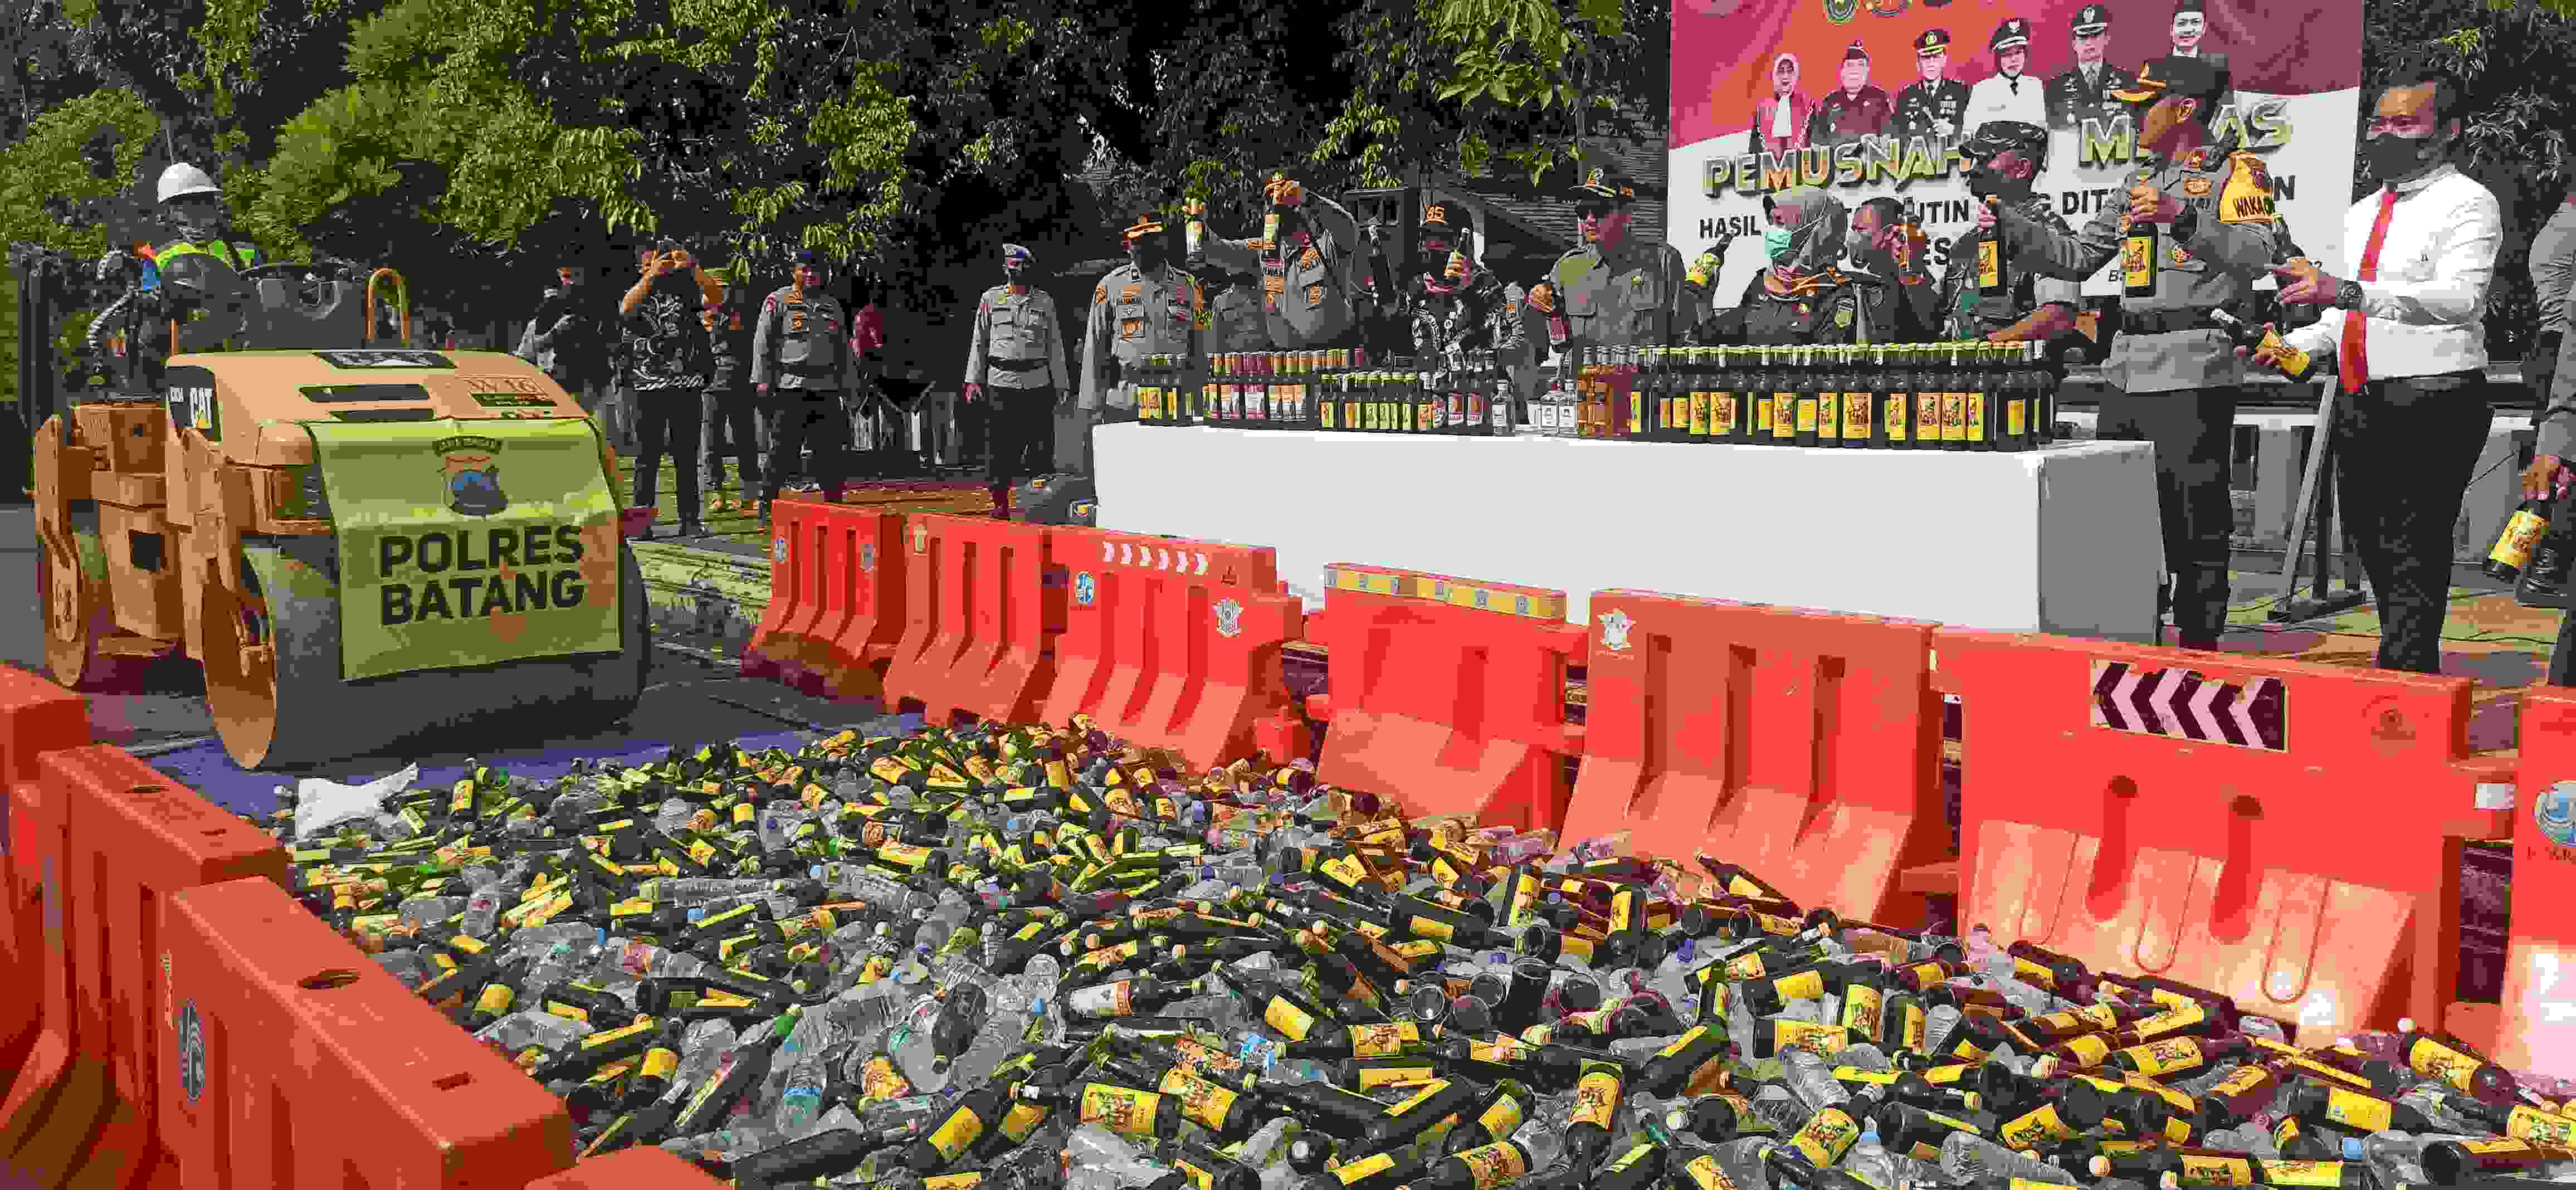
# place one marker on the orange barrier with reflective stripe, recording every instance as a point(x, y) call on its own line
point(2284, 833)
point(1171, 643)
point(1447, 694)
point(1802, 745)
point(2535, 1027)
point(631, 1169)
point(299, 1063)
point(978, 618)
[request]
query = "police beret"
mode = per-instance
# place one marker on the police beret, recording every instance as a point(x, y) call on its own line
point(1855, 53)
point(1435, 217)
point(2092, 19)
point(2014, 32)
point(1932, 41)
point(1599, 182)
point(1015, 254)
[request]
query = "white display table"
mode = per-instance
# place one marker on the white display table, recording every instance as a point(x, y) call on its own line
point(2061, 540)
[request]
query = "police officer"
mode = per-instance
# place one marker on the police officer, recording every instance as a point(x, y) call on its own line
point(2004, 159)
point(1144, 307)
point(1236, 324)
point(1899, 303)
point(1611, 290)
point(732, 411)
point(1935, 104)
point(801, 361)
point(2084, 92)
point(1453, 307)
point(1017, 358)
point(2177, 379)
point(1311, 260)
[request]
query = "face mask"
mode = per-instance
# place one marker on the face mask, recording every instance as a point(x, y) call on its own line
point(1015, 276)
point(1147, 255)
point(1778, 243)
point(2393, 157)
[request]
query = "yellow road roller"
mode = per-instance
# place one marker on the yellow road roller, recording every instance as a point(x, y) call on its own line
point(361, 541)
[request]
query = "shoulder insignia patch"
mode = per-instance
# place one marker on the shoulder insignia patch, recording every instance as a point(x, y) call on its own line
point(770, 306)
point(2248, 196)
point(1099, 294)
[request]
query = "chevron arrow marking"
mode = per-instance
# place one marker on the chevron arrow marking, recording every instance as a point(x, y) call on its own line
point(2186, 704)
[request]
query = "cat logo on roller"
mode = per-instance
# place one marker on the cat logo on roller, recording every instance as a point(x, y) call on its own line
point(473, 478)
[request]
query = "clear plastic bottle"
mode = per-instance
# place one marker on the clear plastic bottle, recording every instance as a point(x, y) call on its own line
point(1097, 1159)
point(1967, 1156)
point(1870, 1161)
point(1811, 1080)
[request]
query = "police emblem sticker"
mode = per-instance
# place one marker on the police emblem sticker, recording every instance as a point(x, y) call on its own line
point(921, 539)
point(1614, 631)
point(778, 549)
point(2554, 811)
point(1086, 589)
point(192, 1051)
point(473, 472)
point(868, 557)
point(2196, 187)
point(1229, 618)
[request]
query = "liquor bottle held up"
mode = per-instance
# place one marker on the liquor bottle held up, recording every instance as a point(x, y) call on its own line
point(1990, 258)
point(2293, 363)
point(2138, 252)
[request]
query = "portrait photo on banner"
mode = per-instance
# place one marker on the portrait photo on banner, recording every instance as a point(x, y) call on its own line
point(1874, 97)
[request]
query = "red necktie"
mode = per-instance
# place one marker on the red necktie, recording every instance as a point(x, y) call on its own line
point(2356, 355)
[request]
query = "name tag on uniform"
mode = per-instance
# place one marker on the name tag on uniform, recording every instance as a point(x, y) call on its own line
point(796, 321)
point(1314, 296)
point(1273, 284)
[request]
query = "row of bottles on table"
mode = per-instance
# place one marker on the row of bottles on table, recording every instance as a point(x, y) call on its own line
point(1971, 395)
point(1290, 392)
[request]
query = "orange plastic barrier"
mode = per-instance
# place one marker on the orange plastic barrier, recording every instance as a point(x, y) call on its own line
point(1803, 745)
point(835, 599)
point(295, 1062)
point(54, 1078)
point(979, 620)
point(1171, 643)
point(1447, 695)
point(2285, 833)
point(2537, 1029)
point(631, 1169)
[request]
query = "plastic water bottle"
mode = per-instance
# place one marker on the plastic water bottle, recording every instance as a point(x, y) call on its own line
point(1869, 1161)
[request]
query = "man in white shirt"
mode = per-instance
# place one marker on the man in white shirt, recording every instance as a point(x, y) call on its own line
point(2408, 334)
point(2008, 94)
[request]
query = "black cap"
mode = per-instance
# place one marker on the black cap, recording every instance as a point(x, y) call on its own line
point(1932, 41)
point(1856, 53)
point(2092, 19)
point(1601, 182)
point(1997, 136)
point(2013, 33)
point(2183, 6)
point(2183, 78)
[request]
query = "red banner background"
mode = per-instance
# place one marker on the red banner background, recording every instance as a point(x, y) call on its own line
point(1723, 49)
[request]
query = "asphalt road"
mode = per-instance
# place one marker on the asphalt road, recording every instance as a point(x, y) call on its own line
point(161, 714)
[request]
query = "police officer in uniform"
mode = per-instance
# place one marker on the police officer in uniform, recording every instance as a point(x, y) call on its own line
point(1453, 306)
point(1144, 307)
point(1017, 358)
point(1312, 286)
point(800, 360)
point(1803, 297)
point(2004, 158)
point(1899, 302)
point(1236, 324)
point(2177, 379)
point(1612, 290)
point(2084, 92)
point(1935, 104)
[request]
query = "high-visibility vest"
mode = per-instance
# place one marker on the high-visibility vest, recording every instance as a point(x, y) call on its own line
point(239, 256)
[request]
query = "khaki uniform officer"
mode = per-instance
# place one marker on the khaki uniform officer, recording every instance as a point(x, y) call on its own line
point(1017, 359)
point(1310, 258)
point(801, 359)
point(1144, 307)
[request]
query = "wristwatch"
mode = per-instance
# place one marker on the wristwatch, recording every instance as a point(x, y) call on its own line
point(2348, 295)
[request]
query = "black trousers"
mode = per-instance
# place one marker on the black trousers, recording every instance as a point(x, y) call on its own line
point(732, 426)
point(801, 416)
point(666, 422)
point(2192, 429)
point(1020, 428)
point(2405, 448)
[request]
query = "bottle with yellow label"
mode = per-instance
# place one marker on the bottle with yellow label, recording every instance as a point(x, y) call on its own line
point(2140, 245)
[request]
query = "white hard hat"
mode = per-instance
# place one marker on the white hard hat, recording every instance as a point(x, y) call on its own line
point(184, 178)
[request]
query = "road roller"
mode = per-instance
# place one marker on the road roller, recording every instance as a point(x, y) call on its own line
point(362, 542)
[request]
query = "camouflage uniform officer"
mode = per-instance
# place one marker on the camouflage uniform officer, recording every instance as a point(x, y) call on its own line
point(1453, 307)
point(801, 360)
point(1311, 260)
point(1144, 307)
point(1612, 290)
point(1803, 297)
point(2177, 378)
point(1017, 358)
point(2004, 156)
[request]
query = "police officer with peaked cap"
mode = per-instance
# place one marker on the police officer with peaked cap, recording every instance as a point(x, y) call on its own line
point(1017, 358)
point(2009, 93)
point(801, 360)
point(1141, 308)
point(1935, 107)
point(2176, 378)
point(2084, 91)
point(2005, 158)
point(1311, 259)
point(1612, 289)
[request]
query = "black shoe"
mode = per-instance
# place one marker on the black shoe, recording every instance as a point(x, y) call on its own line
point(692, 529)
point(764, 514)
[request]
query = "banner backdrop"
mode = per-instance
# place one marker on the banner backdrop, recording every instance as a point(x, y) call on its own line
point(1868, 123)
